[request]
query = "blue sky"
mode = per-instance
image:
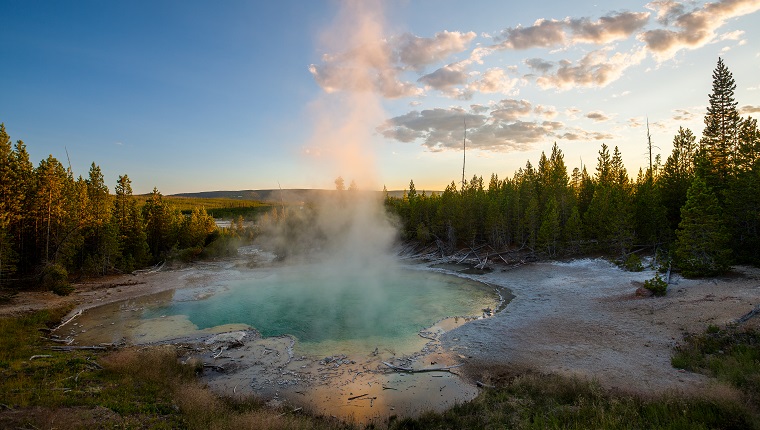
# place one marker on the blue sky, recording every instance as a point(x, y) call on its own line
point(192, 96)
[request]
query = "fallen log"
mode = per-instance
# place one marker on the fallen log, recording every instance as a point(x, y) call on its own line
point(213, 366)
point(749, 315)
point(358, 397)
point(429, 369)
point(73, 348)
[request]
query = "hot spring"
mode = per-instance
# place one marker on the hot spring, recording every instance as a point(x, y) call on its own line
point(326, 311)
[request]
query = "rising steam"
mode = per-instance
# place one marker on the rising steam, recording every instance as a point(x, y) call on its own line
point(346, 227)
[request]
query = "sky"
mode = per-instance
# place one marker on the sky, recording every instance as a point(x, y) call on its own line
point(191, 96)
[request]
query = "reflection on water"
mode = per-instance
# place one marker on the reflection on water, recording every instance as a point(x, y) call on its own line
point(322, 310)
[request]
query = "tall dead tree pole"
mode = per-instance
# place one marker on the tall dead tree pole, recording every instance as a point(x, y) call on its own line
point(464, 151)
point(649, 145)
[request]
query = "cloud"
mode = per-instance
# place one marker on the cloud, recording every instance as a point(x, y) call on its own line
point(542, 34)
point(623, 94)
point(377, 66)
point(667, 10)
point(579, 134)
point(494, 80)
point(683, 115)
point(518, 135)
point(747, 109)
point(595, 69)
point(445, 77)
point(479, 108)
point(418, 52)
point(608, 28)
point(511, 109)
point(597, 116)
point(539, 65)
point(572, 112)
point(692, 29)
point(437, 127)
point(507, 127)
point(545, 33)
point(334, 77)
point(547, 112)
point(636, 122)
point(732, 35)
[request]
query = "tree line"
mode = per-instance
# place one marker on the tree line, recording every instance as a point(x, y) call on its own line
point(700, 209)
point(53, 224)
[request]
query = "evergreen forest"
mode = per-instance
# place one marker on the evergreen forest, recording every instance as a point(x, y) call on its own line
point(700, 210)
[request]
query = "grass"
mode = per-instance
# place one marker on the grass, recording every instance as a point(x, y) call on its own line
point(730, 354)
point(557, 402)
point(150, 388)
point(130, 388)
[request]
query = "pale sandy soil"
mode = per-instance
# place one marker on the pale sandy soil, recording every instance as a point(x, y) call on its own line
point(583, 318)
point(577, 318)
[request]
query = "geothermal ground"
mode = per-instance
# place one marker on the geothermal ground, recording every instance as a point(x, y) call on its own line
point(579, 318)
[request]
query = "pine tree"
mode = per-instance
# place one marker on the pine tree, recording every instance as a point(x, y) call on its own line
point(702, 244)
point(161, 225)
point(677, 175)
point(549, 233)
point(719, 138)
point(8, 256)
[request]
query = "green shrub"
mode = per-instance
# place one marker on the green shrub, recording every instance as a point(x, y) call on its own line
point(632, 263)
point(223, 246)
point(56, 279)
point(656, 285)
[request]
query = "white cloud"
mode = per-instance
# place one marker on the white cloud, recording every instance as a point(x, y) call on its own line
point(418, 52)
point(595, 69)
point(511, 109)
point(494, 80)
point(692, 29)
point(445, 77)
point(552, 33)
point(546, 112)
point(623, 94)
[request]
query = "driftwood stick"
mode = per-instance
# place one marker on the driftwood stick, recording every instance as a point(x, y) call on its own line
point(429, 369)
point(68, 320)
point(358, 397)
point(425, 336)
point(39, 356)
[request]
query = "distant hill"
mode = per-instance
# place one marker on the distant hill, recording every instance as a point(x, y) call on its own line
point(287, 195)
